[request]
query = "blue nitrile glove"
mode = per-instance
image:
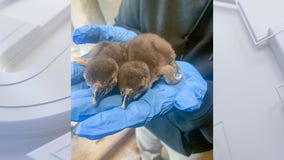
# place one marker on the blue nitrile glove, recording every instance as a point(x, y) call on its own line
point(108, 117)
point(96, 33)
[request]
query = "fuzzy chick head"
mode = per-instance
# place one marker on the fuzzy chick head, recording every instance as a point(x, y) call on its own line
point(133, 80)
point(101, 75)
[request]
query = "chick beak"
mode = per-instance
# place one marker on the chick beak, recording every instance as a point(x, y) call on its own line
point(123, 105)
point(98, 94)
point(94, 101)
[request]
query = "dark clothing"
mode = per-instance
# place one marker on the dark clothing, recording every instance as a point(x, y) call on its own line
point(188, 26)
point(187, 132)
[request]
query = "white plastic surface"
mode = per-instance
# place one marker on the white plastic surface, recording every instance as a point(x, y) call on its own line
point(245, 99)
point(58, 149)
point(263, 14)
point(38, 12)
point(14, 33)
point(222, 149)
point(277, 45)
point(37, 19)
point(34, 87)
point(280, 91)
point(39, 73)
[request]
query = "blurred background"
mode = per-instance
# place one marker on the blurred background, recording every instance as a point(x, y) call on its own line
point(34, 78)
point(248, 80)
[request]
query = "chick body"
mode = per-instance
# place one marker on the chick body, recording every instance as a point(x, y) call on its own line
point(135, 66)
point(157, 53)
point(102, 68)
point(148, 58)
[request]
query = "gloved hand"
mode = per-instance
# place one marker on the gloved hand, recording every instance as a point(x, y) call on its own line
point(108, 118)
point(94, 34)
point(82, 107)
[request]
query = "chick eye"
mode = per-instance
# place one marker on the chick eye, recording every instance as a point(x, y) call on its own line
point(140, 88)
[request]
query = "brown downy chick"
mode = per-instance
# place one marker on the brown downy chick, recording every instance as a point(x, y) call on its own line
point(134, 79)
point(149, 53)
point(102, 68)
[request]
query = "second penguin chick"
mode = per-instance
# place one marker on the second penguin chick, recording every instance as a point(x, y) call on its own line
point(133, 78)
point(149, 58)
point(102, 68)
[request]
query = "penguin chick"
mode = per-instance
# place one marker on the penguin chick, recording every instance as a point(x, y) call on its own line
point(133, 80)
point(102, 68)
point(150, 57)
point(157, 53)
